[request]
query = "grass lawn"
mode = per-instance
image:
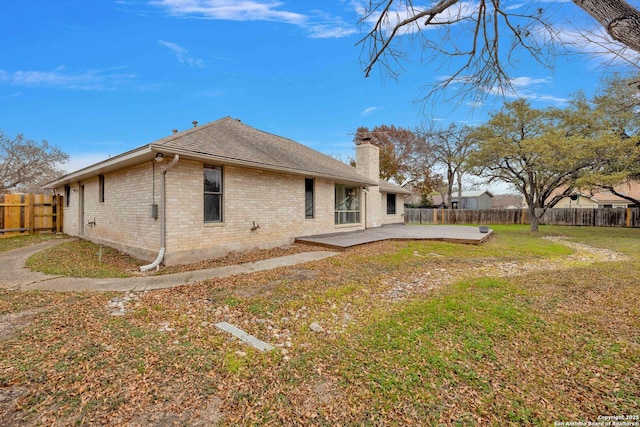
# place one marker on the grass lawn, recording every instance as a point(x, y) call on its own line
point(523, 330)
point(10, 243)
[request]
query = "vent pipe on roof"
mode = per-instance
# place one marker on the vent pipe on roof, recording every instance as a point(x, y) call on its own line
point(195, 123)
point(175, 131)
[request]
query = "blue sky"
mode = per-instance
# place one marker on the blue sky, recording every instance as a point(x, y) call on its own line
point(101, 77)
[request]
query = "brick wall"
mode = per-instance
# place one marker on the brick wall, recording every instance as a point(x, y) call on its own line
point(123, 220)
point(274, 201)
point(398, 217)
point(368, 165)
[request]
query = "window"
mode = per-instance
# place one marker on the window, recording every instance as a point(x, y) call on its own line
point(391, 204)
point(308, 198)
point(212, 194)
point(67, 195)
point(347, 205)
point(101, 188)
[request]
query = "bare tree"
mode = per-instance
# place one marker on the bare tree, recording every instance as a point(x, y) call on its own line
point(450, 147)
point(478, 40)
point(26, 165)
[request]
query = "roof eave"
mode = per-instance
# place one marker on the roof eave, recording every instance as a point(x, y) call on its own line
point(123, 160)
point(263, 166)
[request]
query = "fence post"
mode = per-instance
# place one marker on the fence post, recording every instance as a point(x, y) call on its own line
point(30, 212)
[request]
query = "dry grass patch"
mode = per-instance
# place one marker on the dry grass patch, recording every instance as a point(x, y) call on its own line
point(11, 243)
point(415, 333)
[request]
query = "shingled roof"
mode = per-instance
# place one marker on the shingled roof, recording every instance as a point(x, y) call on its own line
point(389, 187)
point(230, 141)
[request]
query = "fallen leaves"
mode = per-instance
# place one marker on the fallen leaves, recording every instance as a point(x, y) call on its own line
point(539, 345)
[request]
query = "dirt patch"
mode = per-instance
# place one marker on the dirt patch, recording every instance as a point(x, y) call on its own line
point(425, 282)
point(588, 253)
point(258, 290)
point(267, 289)
point(9, 415)
point(210, 415)
point(318, 396)
point(12, 322)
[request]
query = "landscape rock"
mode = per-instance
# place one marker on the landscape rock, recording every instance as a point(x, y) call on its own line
point(315, 327)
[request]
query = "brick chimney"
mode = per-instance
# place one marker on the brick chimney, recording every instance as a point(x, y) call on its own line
point(368, 165)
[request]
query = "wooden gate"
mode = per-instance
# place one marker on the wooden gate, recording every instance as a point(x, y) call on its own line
point(22, 214)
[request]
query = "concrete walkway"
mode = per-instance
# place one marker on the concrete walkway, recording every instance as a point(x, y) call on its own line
point(447, 233)
point(14, 276)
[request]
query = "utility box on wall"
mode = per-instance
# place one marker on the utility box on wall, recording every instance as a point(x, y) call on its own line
point(153, 211)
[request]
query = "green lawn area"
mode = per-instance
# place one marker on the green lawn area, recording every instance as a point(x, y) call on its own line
point(523, 330)
point(10, 243)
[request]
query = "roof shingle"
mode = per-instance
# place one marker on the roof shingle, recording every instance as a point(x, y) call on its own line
point(230, 141)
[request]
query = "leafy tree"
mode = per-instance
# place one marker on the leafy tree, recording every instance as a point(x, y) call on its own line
point(481, 39)
point(26, 165)
point(450, 147)
point(539, 151)
point(404, 158)
point(616, 108)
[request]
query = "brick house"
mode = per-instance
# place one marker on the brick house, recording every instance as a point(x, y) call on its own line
point(223, 187)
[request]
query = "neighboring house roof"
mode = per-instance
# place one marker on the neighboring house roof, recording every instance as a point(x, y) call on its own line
point(229, 141)
point(438, 199)
point(631, 189)
point(388, 187)
point(470, 194)
point(507, 201)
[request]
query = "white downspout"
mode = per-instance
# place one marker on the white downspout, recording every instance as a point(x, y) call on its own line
point(163, 220)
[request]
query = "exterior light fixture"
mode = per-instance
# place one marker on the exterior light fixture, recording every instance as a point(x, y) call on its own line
point(159, 157)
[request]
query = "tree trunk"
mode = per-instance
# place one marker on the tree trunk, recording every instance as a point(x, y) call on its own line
point(533, 219)
point(459, 177)
point(619, 19)
point(450, 178)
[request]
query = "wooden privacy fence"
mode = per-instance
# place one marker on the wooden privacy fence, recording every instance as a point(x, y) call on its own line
point(30, 214)
point(606, 217)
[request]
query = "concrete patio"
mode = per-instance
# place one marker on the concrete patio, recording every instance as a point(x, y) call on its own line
point(445, 233)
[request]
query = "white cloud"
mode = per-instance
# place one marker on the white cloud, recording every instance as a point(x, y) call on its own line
point(523, 82)
point(459, 11)
point(475, 104)
point(318, 24)
point(531, 88)
point(182, 54)
point(61, 78)
point(326, 31)
point(599, 46)
point(231, 10)
point(369, 111)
